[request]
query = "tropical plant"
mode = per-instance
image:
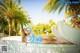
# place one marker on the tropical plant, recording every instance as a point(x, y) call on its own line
point(14, 15)
point(7, 7)
point(51, 22)
point(22, 19)
point(41, 29)
point(3, 25)
point(53, 5)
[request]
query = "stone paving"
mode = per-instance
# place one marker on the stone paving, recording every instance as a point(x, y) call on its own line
point(19, 47)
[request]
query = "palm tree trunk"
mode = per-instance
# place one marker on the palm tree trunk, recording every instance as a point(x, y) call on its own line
point(3, 33)
point(75, 15)
point(16, 29)
point(22, 33)
point(10, 27)
point(15, 22)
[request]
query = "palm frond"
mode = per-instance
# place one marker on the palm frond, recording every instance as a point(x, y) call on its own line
point(2, 9)
point(3, 5)
point(11, 3)
point(61, 8)
point(53, 6)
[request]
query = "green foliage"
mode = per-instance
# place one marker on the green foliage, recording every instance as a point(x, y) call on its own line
point(51, 34)
point(21, 17)
point(41, 29)
point(53, 6)
point(71, 10)
point(14, 15)
point(7, 8)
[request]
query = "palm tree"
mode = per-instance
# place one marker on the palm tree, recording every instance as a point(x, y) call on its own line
point(53, 5)
point(12, 12)
point(22, 19)
point(7, 8)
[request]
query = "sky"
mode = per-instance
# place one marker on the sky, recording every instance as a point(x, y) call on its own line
point(36, 13)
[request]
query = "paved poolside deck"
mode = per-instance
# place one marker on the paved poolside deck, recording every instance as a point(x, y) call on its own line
point(14, 46)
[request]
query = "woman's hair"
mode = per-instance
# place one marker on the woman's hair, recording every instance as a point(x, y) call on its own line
point(26, 32)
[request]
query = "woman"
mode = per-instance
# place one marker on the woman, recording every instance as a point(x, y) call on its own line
point(31, 38)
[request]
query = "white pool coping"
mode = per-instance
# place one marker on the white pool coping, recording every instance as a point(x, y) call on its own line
point(15, 38)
